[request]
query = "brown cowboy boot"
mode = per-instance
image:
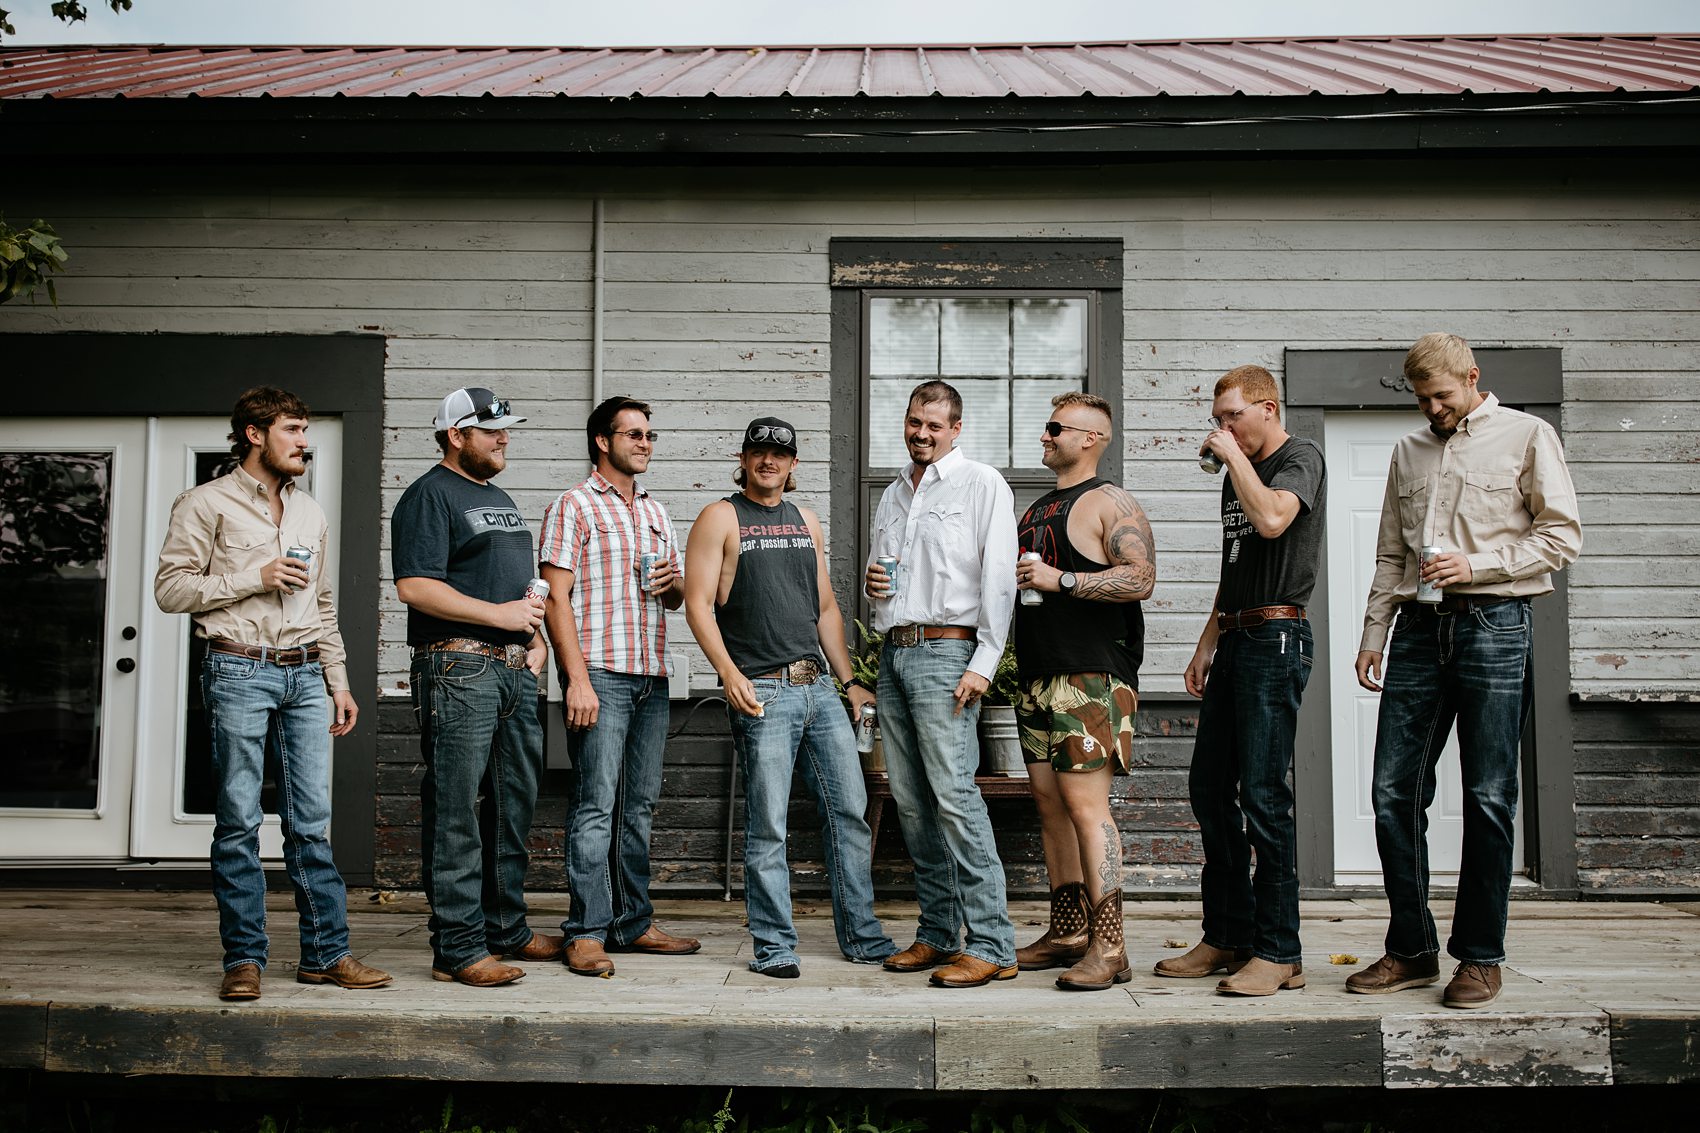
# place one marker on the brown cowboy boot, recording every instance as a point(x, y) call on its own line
point(1105, 962)
point(1065, 941)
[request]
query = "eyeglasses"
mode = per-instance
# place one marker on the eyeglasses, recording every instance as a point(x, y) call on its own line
point(778, 434)
point(1227, 419)
point(1055, 428)
point(636, 435)
point(496, 410)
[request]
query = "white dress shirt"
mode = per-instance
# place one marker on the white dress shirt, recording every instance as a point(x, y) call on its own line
point(953, 537)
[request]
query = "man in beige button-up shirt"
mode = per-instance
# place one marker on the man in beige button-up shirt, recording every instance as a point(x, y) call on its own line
point(273, 653)
point(1489, 487)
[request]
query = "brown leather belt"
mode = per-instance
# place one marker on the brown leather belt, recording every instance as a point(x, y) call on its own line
point(1257, 615)
point(804, 672)
point(906, 636)
point(293, 655)
point(1458, 603)
point(513, 656)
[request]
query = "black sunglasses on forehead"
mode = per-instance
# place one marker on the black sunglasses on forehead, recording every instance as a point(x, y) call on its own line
point(779, 434)
point(496, 409)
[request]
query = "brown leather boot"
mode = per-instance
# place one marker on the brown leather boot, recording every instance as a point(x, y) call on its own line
point(1065, 941)
point(1203, 960)
point(1105, 962)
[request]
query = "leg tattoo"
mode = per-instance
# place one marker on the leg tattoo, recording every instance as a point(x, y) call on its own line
point(1110, 869)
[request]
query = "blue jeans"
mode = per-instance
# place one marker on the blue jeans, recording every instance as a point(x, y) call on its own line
point(1473, 667)
point(1240, 792)
point(259, 713)
point(931, 756)
point(616, 782)
point(806, 720)
point(477, 720)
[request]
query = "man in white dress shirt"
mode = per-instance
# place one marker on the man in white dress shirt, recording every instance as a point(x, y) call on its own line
point(950, 524)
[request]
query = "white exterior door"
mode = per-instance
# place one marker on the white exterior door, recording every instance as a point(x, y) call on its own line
point(100, 718)
point(1358, 447)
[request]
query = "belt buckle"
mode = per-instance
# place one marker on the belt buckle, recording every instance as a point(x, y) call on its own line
point(906, 635)
point(514, 656)
point(804, 672)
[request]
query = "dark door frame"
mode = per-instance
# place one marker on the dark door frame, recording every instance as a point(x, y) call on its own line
point(200, 375)
point(1530, 379)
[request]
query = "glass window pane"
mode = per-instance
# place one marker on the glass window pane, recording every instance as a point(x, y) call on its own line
point(1050, 337)
point(888, 400)
point(903, 338)
point(1031, 399)
point(985, 420)
point(974, 338)
point(54, 509)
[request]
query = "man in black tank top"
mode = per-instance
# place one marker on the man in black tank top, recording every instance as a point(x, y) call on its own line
point(1078, 652)
point(760, 603)
point(1251, 666)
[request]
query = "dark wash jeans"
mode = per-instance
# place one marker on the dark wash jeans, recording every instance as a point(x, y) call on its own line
point(1241, 795)
point(1473, 667)
point(477, 717)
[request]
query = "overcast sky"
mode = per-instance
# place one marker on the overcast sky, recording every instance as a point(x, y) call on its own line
point(675, 22)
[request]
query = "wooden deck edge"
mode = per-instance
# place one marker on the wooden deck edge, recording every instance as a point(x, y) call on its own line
point(1650, 1047)
point(1553, 1048)
point(23, 1035)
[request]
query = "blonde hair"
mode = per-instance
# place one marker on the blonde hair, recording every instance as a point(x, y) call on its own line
point(1439, 354)
point(1085, 401)
point(1254, 383)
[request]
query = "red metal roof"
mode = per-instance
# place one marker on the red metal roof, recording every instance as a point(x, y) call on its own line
point(1397, 65)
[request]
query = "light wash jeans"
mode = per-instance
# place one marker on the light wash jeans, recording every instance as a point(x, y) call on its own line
point(477, 718)
point(807, 721)
point(1474, 667)
point(931, 755)
point(258, 710)
point(616, 782)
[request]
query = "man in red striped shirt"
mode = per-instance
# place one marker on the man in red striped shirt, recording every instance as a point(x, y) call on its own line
point(609, 629)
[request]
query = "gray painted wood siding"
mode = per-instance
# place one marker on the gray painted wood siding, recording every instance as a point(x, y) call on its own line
point(717, 310)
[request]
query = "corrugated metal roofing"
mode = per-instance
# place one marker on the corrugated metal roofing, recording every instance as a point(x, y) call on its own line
point(1427, 66)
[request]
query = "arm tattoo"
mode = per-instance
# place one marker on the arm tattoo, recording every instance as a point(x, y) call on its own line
point(1132, 553)
point(1110, 869)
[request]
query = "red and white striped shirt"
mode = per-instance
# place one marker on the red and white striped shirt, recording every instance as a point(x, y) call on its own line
point(590, 531)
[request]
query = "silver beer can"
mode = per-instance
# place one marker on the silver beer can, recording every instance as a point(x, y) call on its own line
point(303, 555)
point(1210, 462)
point(1427, 591)
point(888, 563)
point(537, 588)
point(1032, 597)
point(646, 567)
point(865, 729)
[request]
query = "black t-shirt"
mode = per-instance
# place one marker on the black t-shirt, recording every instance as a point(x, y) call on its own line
point(468, 535)
point(1280, 571)
point(771, 615)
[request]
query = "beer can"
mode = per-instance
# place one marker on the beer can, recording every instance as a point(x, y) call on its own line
point(1210, 462)
point(646, 567)
point(1031, 597)
point(865, 729)
point(1427, 591)
point(537, 588)
point(302, 554)
point(889, 564)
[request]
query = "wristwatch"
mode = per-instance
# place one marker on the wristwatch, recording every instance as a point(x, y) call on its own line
point(1067, 581)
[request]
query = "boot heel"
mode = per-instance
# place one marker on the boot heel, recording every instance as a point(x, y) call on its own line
point(1124, 976)
point(1293, 982)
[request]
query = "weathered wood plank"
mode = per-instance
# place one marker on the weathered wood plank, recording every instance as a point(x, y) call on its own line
point(23, 1034)
point(1654, 1048)
point(1498, 1049)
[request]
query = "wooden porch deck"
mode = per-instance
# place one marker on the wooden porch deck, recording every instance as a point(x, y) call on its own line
point(123, 983)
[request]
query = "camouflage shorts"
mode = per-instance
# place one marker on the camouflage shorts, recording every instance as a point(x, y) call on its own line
point(1074, 720)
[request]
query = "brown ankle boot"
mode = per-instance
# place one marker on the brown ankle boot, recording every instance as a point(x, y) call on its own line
point(1105, 962)
point(1065, 941)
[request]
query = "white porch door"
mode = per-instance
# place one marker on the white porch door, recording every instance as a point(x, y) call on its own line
point(100, 715)
point(1358, 448)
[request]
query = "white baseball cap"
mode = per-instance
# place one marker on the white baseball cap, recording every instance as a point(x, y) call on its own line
point(475, 407)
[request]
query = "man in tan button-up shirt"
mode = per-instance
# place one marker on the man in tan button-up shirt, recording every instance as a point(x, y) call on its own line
point(273, 654)
point(1489, 487)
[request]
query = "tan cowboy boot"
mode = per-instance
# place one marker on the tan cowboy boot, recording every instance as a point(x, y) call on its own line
point(1065, 941)
point(1105, 962)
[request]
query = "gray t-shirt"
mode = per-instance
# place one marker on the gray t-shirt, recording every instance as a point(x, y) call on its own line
point(468, 535)
point(1280, 571)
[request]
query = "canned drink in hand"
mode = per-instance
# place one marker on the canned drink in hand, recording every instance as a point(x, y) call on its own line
point(1427, 591)
point(304, 555)
point(1031, 597)
point(888, 564)
point(1210, 462)
point(865, 729)
point(537, 588)
point(646, 567)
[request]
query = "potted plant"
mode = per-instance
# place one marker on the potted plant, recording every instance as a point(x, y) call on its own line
point(1000, 737)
